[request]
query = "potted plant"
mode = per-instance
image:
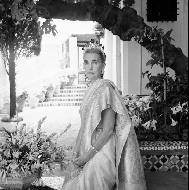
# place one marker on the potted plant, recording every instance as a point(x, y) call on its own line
point(71, 79)
point(49, 92)
point(21, 101)
point(25, 154)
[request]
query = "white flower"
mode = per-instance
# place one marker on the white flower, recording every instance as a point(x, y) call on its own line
point(173, 122)
point(136, 120)
point(146, 99)
point(153, 124)
point(177, 109)
point(131, 108)
point(186, 103)
point(138, 103)
point(158, 99)
point(185, 106)
point(147, 125)
point(150, 124)
point(147, 107)
point(126, 101)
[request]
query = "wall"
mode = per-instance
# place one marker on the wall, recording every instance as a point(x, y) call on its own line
point(179, 34)
point(127, 60)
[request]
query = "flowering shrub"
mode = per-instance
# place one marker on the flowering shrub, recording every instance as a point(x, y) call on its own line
point(139, 111)
point(150, 122)
point(179, 119)
point(25, 151)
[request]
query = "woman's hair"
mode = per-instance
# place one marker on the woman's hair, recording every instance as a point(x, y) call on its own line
point(98, 51)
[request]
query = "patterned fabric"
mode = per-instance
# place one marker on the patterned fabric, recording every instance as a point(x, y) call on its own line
point(119, 161)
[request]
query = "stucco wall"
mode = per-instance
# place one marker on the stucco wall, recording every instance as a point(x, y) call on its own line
point(179, 34)
point(134, 57)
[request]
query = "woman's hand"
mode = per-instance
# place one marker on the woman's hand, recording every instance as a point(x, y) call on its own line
point(81, 161)
point(71, 156)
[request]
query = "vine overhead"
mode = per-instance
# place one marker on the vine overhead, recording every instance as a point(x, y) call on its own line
point(124, 22)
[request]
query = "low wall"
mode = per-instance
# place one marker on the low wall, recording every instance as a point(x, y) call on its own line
point(165, 156)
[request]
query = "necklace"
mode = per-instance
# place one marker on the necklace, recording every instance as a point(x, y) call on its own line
point(90, 83)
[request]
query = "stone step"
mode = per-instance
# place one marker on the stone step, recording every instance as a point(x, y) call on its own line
point(76, 87)
point(65, 99)
point(72, 91)
point(52, 104)
point(67, 95)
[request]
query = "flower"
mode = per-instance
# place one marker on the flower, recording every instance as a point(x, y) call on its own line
point(149, 113)
point(136, 120)
point(146, 99)
point(137, 106)
point(173, 122)
point(26, 151)
point(176, 109)
point(147, 125)
point(153, 124)
point(150, 124)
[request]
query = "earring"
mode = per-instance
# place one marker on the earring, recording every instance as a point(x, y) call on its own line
point(85, 77)
point(102, 75)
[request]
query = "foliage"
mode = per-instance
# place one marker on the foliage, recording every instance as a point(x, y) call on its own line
point(147, 117)
point(25, 151)
point(116, 3)
point(20, 25)
point(128, 2)
point(140, 111)
point(176, 90)
point(169, 92)
point(20, 36)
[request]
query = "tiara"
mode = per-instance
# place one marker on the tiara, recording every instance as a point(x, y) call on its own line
point(94, 44)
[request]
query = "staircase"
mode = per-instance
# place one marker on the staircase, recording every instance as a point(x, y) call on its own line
point(69, 96)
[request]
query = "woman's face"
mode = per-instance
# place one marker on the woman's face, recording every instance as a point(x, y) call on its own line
point(93, 66)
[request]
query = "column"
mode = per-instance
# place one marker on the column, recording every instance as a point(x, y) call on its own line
point(73, 53)
point(130, 68)
point(184, 42)
point(108, 48)
point(124, 68)
point(117, 61)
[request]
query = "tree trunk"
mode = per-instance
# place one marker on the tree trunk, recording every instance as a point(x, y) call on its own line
point(12, 82)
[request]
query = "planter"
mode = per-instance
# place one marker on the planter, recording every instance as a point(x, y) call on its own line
point(10, 124)
point(18, 183)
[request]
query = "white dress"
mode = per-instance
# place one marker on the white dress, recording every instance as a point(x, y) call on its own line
point(118, 165)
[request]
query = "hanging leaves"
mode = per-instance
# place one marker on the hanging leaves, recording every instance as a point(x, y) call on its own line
point(128, 2)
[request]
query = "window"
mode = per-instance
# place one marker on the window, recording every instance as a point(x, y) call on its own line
point(161, 10)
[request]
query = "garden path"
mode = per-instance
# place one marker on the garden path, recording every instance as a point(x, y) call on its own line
point(57, 120)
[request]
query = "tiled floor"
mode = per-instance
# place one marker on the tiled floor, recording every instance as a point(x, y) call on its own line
point(167, 180)
point(154, 180)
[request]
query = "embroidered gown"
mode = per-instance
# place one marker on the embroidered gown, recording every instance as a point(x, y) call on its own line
point(118, 164)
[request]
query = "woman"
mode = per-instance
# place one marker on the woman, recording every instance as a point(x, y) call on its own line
point(106, 147)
